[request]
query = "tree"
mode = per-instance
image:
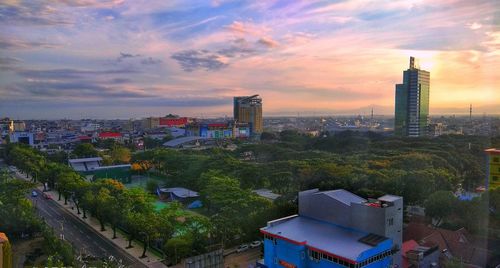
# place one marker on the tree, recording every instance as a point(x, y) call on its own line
point(83, 150)
point(120, 155)
point(178, 248)
point(439, 205)
point(16, 211)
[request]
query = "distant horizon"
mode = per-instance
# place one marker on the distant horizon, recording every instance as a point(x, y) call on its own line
point(390, 116)
point(116, 58)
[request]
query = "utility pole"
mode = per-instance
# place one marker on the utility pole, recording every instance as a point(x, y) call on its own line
point(371, 119)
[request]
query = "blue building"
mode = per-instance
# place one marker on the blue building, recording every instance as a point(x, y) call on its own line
point(336, 229)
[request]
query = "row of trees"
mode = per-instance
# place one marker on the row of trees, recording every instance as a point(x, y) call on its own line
point(18, 218)
point(114, 205)
point(367, 164)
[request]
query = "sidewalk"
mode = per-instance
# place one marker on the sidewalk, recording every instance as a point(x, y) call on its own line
point(121, 241)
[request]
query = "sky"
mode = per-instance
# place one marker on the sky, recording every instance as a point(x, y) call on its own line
point(131, 59)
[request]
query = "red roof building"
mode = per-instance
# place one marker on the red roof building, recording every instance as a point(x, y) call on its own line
point(459, 244)
point(110, 135)
point(173, 122)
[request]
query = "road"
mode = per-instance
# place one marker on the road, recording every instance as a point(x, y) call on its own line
point(83, 238)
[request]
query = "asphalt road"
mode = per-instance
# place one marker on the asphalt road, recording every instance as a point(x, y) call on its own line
point(83, 238)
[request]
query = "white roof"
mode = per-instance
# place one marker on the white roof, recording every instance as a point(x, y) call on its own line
point(82, 160)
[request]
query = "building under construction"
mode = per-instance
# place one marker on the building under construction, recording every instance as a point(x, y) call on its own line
point(248, 109)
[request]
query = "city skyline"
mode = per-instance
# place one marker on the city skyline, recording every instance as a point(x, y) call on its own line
point(121, 59)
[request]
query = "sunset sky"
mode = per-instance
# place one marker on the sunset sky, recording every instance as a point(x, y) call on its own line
point(130, 59)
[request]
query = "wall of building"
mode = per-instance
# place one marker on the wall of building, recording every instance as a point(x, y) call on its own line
point(312, 205)
point(493, 170)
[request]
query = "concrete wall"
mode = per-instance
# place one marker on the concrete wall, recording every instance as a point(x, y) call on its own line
point(323, 208)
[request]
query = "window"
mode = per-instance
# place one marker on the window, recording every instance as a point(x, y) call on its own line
point(390, 221)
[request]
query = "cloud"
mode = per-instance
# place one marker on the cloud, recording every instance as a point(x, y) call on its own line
point(268, 42)
point(71, 73)
point(239, 27)
point(150, 61)
point(9, 63)
point(14, 43)
point(474, 25)
point(37, 13)
point(142, 59)
point(191, 60)
point(126, 56)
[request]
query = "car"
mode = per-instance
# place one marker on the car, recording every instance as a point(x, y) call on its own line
point(242, 248)
point(34, 194)
point(255, 244)
point(47, 196)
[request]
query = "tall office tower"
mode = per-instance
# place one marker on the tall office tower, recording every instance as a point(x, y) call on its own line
point(248, 109)
point(412, 102)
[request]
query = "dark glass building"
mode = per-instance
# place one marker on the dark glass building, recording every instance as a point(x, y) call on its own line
point(412, 102)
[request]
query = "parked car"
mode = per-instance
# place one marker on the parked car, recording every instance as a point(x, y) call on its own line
point(255, 244)
point(34, 194)
point(242, 248)
point(47, 196)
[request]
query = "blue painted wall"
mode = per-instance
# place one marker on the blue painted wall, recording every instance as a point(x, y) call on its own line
point(298, 255)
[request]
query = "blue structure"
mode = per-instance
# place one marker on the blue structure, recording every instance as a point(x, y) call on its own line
point(336, 229)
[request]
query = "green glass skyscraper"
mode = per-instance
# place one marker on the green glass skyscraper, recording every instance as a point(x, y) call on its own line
point(412, 102)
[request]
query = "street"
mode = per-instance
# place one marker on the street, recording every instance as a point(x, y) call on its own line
point(83, 238)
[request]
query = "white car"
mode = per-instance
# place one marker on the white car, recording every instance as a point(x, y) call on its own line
point(242, 248)
point(255, 244)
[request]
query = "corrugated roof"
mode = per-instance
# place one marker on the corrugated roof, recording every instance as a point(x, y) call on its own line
point(180, 192)
point(327, 237)
point(182, 140)
point(82, 160)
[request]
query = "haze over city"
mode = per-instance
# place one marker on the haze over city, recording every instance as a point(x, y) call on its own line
point(116, 59)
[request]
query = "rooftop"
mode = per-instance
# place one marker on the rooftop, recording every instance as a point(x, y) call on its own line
point(492, 151)
point(333, 239)
point(343, 196)
point(110, 135)
point(266, 193)
point(82, 160)
point(180, 192)
point(182, 140)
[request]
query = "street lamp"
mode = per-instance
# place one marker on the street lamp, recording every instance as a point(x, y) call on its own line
point(62, 229)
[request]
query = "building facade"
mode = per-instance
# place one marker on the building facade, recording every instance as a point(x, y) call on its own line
point(22, 137)
point(248, 109)
point(336, 229)
point(493, 168)
point(412, 102)
point(224, 130)
point(5, 252)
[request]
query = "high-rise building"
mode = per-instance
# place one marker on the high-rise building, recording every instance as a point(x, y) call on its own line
point(412, 102)
point(248, 109)
point(336, 229)
point(493, 168)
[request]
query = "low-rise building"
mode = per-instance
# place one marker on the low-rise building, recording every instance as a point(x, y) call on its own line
point(336, 229)
point(106, 135)
point(22, 137)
